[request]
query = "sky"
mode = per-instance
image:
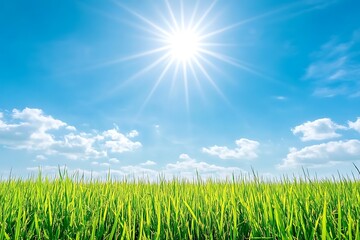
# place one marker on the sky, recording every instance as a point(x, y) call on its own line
point(179, 88)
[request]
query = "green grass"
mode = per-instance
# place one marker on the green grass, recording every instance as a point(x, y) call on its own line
point(71, 208)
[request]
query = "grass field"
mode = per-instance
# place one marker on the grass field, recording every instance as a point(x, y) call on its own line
point(71, 208)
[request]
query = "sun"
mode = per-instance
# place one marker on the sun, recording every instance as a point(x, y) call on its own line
point(184, 45)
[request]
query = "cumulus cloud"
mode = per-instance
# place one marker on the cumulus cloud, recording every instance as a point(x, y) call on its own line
point(319, 129)
point(31, 129)
point(355, 125)
point(335, 69)
point(323, 154)
point(118, 142)
point(246, 149)
point(78, 146)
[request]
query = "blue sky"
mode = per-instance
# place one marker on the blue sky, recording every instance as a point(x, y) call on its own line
point(171, 87)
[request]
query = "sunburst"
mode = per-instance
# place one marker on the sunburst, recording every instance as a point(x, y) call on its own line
point(185, 47)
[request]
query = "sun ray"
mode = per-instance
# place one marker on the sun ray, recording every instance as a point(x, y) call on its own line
point(182, 17)
point(155, 86)
point(172, 15)
point(186, 87)
point(208, 10)
point(238, 64)
point(197, 82)
point(145, 28)
point(212, 65)
point(228, 60)
point(143, 71)
point(214, 44)
point(193, 15)
point(208, 24)
point(147, 21)
point(174, 78)
point(139, 55)
point(210, 80)
point(168, 24)
point(151, 66)
point(248, 20)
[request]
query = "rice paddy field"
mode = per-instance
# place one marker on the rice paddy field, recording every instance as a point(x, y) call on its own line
point(73, 208)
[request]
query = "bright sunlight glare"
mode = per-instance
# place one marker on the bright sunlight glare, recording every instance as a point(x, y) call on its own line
point(187, 49)
point(184, 45)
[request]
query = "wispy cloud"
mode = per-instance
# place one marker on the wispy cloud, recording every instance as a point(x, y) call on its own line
point(335, 69)
point(246, 149)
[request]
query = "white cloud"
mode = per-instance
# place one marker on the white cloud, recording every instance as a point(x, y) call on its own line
point(324, 153)
point(132, 134)
point(118, 142)
point(148, 163)
point(355, 125)
point(71, 128)
point(78, 146)
point(184, 156)
point(246, 149)
point(335, 69)
point(185, 168)
point(319, 129)
point(32, 130)
point(48, 169)
point(103, 164)
point(188, 167)
point(37, 118)
point(114, 160)
point(138, 171)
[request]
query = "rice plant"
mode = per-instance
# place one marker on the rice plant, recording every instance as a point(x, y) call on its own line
point(74, 208)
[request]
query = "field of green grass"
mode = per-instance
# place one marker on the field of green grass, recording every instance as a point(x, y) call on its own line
point(71, 208)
